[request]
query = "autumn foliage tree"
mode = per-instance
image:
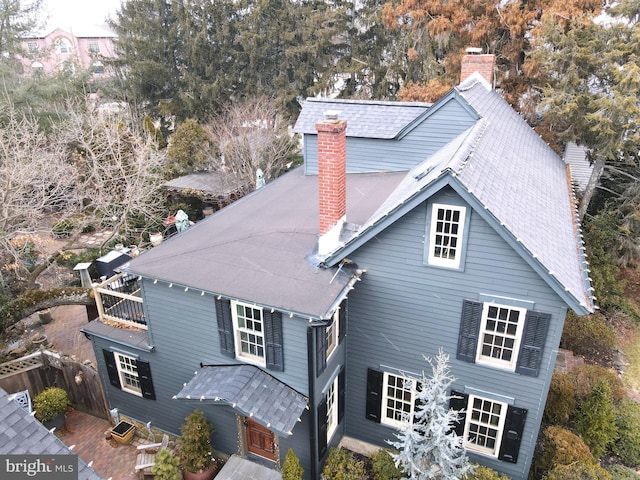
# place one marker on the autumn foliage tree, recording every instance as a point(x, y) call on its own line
point(441, 30)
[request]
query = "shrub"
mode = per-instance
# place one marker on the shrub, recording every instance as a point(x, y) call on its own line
point(562, 447)
point(384, 467)
point(589, 335)
point(578, 471)
point(291, 469)
point(49, 403)
point(561, 401)
point(595, 419)
point(586, 377)
point(627, 445)
point(63, 228)
point(194, 443)
point(166, 466)
point(484, 473)
point(342, 465)
point(618, 472)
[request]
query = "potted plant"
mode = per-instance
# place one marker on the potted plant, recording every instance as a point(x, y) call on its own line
point(50, 405)
point(194, 445)
point(166, 466)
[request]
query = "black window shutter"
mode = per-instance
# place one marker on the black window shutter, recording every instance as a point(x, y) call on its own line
point(112, 369)
point(512, 434)
point(458, 402)
point(417, 404)
point(225, 327)
point(341, 394)
point(321, 349)
point(343, 321)
point(535, 333)
point(322, 427)
point(469, 330)
point(273, 333)
point(374, 394)
point(146, 384)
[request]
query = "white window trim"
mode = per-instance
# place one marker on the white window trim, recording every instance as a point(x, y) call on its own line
point(122, 374)
point(332, 332)
point(485, 360)
point(385, 387)
point(500, 428)
point(332, 407)
point(247, 357)
point(64, 47)
point(439, 261)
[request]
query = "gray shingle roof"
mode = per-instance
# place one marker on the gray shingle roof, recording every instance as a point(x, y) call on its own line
point(258, 249)
point(22, 434)
point(250, 391)
point(581, 169)
point(368, 119)
point(508, 169)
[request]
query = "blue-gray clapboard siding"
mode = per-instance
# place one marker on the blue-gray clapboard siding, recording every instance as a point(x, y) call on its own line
point(403, 309)
point(374, 155)
point(184, 333)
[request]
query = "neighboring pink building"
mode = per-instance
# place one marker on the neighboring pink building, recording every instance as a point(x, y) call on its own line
point(80, 48)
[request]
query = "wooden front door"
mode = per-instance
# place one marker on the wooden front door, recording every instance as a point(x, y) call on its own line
point(260, 440)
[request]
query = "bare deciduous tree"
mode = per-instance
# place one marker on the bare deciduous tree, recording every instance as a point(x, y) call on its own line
point(251, 135)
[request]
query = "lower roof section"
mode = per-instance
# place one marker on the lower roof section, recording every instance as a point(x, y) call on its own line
point(251, 392)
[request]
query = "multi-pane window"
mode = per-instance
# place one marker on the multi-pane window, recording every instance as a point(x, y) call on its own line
point(249, 332)
point(63, 46)
point(332, 332)
point(332, 408)
point(398, 398)
point(500, 334)
point(128, 371)
point(32, 47)
point(446, 234)
point(94, 47)
point(484, 425)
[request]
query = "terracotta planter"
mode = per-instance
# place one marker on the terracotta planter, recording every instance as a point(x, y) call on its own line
point(206, 475)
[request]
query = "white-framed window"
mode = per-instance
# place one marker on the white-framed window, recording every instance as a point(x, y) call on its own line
point(248, 327)
point(446, 235)
point(32, 47)
point(37, 67)
point(398, 399)
point(128, 372)
point(332, 332)
point(63, 46)
point(332, 408)
point(484, 425)
point(500, 335)
point(94, 47)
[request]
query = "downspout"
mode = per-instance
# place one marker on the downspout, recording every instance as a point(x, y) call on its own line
point(312, 396)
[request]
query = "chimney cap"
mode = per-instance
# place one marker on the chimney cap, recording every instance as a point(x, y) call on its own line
point(473, 50)
point(332, 115)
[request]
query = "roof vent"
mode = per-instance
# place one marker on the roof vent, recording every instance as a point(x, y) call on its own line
point(332, 115)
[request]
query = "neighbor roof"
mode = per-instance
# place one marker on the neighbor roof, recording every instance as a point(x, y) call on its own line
point(490, 165)
point(251, 391)
point(22, 434)
point(259, 249)
point(369, 119)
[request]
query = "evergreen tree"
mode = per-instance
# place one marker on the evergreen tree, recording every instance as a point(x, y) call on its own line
point(427, 444)
point(593, 82)
point(595, 421)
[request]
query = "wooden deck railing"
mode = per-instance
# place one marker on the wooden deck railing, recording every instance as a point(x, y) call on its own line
point(118, 300)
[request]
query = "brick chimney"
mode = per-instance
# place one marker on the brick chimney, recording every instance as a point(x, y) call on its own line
point(476, 61)
point(332, 179)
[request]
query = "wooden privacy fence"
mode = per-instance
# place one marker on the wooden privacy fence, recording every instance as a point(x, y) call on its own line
point(44, 369)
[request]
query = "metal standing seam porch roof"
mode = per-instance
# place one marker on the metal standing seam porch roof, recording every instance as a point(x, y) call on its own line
point(250, 391)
